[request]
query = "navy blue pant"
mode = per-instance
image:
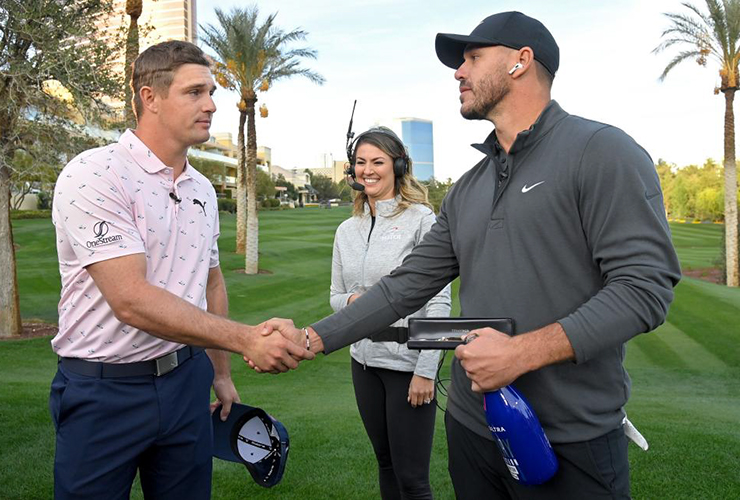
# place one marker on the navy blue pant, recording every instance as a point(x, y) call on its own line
point(400, 434)
point(108, 428)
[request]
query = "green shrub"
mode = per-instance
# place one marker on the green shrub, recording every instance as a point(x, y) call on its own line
point(44, 200)
point(270, 203)
point(30, 214)
point(227, 205)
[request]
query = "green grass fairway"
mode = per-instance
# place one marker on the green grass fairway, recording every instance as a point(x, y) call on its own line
point(685, 394)
point(697, 245)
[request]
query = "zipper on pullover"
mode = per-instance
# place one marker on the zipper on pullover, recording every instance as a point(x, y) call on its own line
point(362, 273)
point(503, 170)
point(367, 248)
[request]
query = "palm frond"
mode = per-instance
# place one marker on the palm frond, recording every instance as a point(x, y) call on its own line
point(682, 56)
point(714, 33)
point(251, 52)
point(719, 25)
point(732, 12)
point(704, 19)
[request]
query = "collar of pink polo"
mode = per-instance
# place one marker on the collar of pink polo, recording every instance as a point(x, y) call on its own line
point(142, 155)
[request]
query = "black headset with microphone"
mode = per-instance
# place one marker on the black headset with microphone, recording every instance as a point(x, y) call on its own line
point(400, 164)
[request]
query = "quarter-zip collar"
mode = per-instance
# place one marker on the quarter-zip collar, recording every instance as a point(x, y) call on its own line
point(547, 120)
point(383, 208)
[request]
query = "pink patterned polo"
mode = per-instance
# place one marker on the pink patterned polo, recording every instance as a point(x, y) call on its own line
point(121, 200)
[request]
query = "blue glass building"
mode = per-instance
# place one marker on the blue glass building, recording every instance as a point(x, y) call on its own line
point(418, 135)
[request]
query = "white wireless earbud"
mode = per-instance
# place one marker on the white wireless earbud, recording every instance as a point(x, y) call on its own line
point(515, 67)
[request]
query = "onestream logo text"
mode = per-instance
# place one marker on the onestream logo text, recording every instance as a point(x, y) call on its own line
point(100, 230)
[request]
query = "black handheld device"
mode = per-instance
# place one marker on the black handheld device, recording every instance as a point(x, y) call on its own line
point(448, 333)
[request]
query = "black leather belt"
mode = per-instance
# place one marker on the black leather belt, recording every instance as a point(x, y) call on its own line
point(398, 334)
point(156, 367)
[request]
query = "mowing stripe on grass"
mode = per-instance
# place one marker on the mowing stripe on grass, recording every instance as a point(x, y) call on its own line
point(295, 305)
point(694, 355)
point(697, 245)
point(655, 347)
point(709, 317)
point(635, 356)
point(729, 296)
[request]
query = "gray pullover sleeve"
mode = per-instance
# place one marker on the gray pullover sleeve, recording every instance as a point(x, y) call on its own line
point(441, 304)
point(623, 218)
point(438, 306)
point(424, 272)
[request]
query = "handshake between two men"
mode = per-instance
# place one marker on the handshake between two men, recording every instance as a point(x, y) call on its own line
point(284, 348)
point(491, 360)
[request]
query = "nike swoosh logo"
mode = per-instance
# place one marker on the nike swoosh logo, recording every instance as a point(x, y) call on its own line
point(526, 189)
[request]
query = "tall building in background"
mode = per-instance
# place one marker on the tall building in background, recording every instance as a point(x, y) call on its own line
point(418, 135)
point(171, 20)
point(160, 20)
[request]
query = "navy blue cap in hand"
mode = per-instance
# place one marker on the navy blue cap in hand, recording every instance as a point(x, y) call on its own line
point(252, 437)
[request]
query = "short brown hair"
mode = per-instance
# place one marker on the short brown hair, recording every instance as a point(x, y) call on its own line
point(156, 66)
point(544, 75)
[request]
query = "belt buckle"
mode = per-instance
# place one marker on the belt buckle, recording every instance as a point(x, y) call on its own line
point(166, 364)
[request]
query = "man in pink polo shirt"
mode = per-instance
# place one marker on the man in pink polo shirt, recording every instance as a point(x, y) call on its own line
point(142, 295)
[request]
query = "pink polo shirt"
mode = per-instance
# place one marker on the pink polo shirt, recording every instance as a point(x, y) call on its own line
point(115, 201)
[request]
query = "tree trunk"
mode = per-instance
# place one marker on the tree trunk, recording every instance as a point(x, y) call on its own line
point(17, 201)
point(241, 189)
point(10, 311)
point(251, 264)
point(133, 10)
point(731, 223)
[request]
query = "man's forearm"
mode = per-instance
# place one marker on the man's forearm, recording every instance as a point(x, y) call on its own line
point(495, 359)
point(138, 303)
point(218, 304)
point(167, 316)
point(546, 346)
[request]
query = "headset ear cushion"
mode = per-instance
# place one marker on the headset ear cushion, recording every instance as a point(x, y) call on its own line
point(400, 167)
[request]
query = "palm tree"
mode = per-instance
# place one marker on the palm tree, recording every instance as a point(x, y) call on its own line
point(252, 57)
point(716, 36)
point(133, 10)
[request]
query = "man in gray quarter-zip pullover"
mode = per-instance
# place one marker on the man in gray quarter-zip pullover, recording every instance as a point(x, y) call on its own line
point(560, 227)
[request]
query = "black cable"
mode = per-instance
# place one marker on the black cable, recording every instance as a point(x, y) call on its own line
point(439, 383)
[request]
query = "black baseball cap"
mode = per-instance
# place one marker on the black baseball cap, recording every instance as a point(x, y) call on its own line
point(252, 437)
point(510, 29)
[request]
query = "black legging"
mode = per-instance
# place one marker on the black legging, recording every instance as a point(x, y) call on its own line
point(400, 434)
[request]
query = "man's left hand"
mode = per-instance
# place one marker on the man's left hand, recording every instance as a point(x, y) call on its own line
point(225, 395)
point(491, 361)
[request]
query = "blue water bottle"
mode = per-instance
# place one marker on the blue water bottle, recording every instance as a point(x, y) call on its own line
point(517, 431)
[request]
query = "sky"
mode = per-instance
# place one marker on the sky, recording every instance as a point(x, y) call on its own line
point(381, 52)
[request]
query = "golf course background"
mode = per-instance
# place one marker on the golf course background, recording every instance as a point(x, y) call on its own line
point(685, 394)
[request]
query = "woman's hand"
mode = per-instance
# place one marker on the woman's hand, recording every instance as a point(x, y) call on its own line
point(421, 391)
point(356, 294)
point(352, 298)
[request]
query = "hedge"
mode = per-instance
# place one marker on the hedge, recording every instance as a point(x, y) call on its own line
point(30, 214)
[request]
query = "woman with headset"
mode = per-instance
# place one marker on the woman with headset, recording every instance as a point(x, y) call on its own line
point(394, 386)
